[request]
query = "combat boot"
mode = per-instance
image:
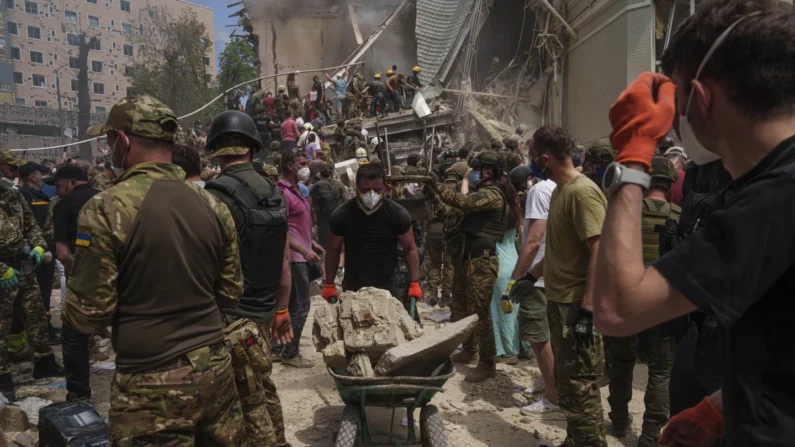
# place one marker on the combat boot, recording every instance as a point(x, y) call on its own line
point(465, 358)
point(47, 367)
point(7, 387)
point(481, 373)
point(622, 428)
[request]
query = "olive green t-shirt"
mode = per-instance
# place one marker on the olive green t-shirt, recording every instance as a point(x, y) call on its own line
point(576, 213)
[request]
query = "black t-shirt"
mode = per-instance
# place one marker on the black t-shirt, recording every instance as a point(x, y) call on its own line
point(741, 269)
point(66, 211)
point(370, 241)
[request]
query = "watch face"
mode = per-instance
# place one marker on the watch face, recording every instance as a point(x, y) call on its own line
point(611, 176)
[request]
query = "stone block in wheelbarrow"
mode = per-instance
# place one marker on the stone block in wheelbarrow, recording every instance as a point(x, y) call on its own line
point(422, 356)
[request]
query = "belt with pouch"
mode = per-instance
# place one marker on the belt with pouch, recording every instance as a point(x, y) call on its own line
point(183, 360)
point(485, 253)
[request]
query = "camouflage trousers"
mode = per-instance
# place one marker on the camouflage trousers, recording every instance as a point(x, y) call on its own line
point(440, 273)
point(262, 409)
point(660, 353)
point(472, 287)
point(28, 298)
point(576, 371)
point(194, 403)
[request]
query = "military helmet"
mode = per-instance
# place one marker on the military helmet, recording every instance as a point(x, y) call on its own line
point(233, 123)
point(275, 145)
point(487, 159)
point(510, 143)
point(458, 168)
point(377, 76)
point(665, 143)
point(270, 170)
point(600, 152)
point(663, 169)
point(390, 72)
point(519, 176)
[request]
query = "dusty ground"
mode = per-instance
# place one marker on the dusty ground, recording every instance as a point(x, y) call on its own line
point(484, 414)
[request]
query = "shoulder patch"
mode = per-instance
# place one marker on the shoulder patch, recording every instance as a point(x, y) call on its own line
point(83, 240)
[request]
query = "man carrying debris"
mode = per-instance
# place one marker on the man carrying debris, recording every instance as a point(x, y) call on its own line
point(485, 215)
point(266, 273)
point(394, 84)
point(414, 81)
point(370, 225)
point(156, 257)
point(376, 90)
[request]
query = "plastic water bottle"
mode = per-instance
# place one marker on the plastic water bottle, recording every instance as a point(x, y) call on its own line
point(27, 263)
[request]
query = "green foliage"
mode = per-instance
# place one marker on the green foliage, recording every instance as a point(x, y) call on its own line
point(238, 63)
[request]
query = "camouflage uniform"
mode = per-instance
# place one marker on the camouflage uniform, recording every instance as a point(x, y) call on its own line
point(598, 155)
point(17, 223)
point(657, 344)
point(193, 401)
point(97, 179)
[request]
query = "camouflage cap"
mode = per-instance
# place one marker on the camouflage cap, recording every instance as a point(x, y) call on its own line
point(600, 152)
point(510, 143)
point(8, 157)
point(143, 116)
point(275, 145)
point(663, 169)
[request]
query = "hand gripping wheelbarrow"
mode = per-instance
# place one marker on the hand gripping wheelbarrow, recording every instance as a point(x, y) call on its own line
point(410, 393)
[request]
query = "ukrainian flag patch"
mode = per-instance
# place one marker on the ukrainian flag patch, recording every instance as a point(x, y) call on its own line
point(83, 240)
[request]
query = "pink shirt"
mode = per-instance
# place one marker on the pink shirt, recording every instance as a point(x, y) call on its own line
point(299, 218)
point(289, 130)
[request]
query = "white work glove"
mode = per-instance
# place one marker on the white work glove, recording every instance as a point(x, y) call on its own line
point(47, 257)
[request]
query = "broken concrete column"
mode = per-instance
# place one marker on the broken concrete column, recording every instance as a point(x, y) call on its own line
point(334, 355)
point(360, 366)
point(411, 330)
point(326, 329)
point(421, 356)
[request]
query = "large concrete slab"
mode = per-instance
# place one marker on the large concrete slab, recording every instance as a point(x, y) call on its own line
point(421, 356)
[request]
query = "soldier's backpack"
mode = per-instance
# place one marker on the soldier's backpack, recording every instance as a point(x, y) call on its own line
point(324, 200)
point(251, 355)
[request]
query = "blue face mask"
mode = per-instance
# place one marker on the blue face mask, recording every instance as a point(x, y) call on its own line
point(474, 178)
point(537, 173)
point(600, 172)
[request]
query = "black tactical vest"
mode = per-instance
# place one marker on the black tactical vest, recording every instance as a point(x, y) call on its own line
point(484, 229)
point(262, 238)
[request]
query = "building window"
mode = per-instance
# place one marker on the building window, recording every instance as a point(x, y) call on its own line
point(31, 7)
point(34, 32)
point(74, 85)
point(93, 22)
point(99, 88)
point(18, 77)
point(206, 61)
point(96, 66)
point(39, 81)
point(37, 57)
point(101, 110)
point(151, 13)
point(13, 29)
point(95, 44)
point(70, 17)
point(19, 101)
point(73, 40)
point(72, 62)
point(16, 54)
point(126, 28)
point(10, 5)
point(125, 5)
point(93, 2)
point(128, 70)
point(128, 50)
point(40, 103)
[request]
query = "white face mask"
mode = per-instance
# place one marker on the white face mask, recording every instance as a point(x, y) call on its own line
point(371, 201)
point(303, 174)
point(6, 184)
point(120, 170)
point(695, 150)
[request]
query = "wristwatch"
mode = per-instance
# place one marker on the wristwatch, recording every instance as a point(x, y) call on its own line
point(617, 174)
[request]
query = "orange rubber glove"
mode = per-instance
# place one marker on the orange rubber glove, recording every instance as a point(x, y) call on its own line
point(415, 291)
point(330, 291)
point(700, 426)
point(282, 328)
point(641, 116)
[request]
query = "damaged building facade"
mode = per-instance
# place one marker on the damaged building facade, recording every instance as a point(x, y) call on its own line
point(494, 64)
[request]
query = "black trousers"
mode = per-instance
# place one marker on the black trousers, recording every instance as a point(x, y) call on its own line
point(696, 372)
point(76, 362)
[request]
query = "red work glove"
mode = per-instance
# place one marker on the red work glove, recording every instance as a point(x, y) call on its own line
point(415, 291)
point(641, 116)
point(330, 291)
point(700, 426)
point(282, 328)
point(392, 90)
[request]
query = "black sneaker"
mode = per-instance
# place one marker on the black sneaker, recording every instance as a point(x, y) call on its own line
point(54, 337)
point(47, 367)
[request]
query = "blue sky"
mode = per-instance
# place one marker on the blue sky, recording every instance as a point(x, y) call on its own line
point(220, 19)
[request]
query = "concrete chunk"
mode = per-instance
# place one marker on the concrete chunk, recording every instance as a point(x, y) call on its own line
point(421, 356)
point(13, 419)
point(326, 329)
point(334, 355)
point(360, 366)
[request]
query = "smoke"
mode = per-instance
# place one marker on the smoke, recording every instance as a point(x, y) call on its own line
point(397, 45)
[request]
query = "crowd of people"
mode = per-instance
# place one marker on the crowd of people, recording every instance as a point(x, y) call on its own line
point(588, 258)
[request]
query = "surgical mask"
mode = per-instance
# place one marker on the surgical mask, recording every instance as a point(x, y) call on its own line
point(6, 184)
point(537, 173)
point(371, 201)
point(120, 170)
point(695, 150)
point(474, 178)
point(303, 174)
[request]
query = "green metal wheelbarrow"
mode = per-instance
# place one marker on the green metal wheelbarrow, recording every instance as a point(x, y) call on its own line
point(410, 393)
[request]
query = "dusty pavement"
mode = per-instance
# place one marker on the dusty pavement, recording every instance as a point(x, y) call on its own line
point(484, 414)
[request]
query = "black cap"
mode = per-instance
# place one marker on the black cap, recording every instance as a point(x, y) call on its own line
point(70, 172)
point(28, 168)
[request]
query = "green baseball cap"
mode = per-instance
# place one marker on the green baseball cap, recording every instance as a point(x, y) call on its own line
point(8, 157)
point(143, 116)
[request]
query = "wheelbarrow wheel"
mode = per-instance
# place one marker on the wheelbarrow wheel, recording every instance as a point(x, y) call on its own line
point(432, 432)
point(349, 427)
